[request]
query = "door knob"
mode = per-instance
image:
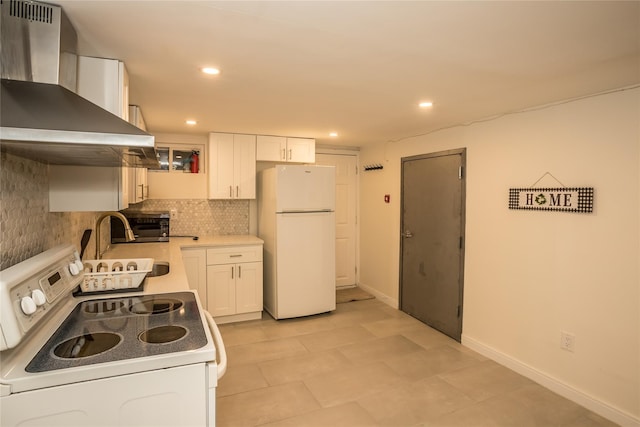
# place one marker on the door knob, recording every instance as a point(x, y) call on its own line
point(407, 234)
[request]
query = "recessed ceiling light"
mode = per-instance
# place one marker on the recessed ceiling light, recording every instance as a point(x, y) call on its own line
point(191, 122)
point(211, 70)
point(333, 134)
point(425, 104)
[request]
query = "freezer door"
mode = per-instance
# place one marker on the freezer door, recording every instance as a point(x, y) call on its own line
point(305, 282)
point(305, 188)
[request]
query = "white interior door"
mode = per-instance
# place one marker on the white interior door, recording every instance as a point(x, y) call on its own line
point(346, 215)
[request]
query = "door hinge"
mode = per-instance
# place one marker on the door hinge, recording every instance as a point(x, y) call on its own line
point(458, 311)
point(460, 247)
point(460, 172)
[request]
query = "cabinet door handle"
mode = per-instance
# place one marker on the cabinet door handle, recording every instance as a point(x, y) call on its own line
point(239, 272)
point(290, 155)
point(232, 272)
point(141, 191)
point(237, 191)
point(230, 191)
point(235, 256)
point(284, 154)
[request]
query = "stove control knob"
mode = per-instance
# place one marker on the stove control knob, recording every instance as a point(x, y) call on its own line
point(38, 297)
point(73, 269)
point(28, 305)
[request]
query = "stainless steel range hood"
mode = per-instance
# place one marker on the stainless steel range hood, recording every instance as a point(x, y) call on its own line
point(41, 116)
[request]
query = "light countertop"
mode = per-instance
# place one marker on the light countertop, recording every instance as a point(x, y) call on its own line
point(176, 279)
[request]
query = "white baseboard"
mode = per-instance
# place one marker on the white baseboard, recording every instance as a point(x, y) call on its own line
point(553, 384)
point(379, 295)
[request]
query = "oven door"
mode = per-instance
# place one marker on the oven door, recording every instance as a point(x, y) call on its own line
point(166, 397)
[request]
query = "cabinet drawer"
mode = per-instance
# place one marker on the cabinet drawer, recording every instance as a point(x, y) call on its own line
point(234, 254)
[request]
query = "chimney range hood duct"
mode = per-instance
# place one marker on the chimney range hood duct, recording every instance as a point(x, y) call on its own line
point(41, 116)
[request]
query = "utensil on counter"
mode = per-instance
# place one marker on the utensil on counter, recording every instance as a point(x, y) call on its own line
point(84, 241)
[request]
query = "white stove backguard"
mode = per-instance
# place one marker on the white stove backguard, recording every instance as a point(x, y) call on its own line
point(31, 289)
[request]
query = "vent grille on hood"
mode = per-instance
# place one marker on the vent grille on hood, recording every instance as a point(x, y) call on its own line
point(31, 11)
point(41, 116)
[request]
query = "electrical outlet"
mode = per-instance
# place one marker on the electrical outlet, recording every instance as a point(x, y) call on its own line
point(567, 341)
point(174, 213)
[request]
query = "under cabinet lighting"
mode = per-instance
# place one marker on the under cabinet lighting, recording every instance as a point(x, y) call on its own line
point(191, 122)
point(425, 104)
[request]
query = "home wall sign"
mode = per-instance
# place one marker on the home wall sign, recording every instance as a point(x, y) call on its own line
point(564, 199)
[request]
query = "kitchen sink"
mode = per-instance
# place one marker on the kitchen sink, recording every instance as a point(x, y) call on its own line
point(159, 269)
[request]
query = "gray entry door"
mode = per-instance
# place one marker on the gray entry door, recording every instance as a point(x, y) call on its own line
point(432, 248)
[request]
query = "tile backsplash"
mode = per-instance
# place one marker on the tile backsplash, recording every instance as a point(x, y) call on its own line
point(202, 217)
point(26, 225)
point(27, 228)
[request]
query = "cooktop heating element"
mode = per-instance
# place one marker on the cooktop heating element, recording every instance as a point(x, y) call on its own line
point(108, 330)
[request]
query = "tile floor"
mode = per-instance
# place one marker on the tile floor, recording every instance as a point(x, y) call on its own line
point(367, 364)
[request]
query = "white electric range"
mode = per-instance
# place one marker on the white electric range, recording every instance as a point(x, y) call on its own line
point(116, 360)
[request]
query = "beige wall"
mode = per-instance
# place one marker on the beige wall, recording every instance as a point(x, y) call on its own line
point(531, 275)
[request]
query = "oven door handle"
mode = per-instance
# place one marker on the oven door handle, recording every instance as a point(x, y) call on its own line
point(217, 339)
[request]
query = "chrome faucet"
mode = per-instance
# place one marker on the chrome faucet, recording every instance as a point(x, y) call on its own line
point(128, 233)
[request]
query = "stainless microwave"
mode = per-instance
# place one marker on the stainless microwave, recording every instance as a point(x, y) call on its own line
point(146, 226)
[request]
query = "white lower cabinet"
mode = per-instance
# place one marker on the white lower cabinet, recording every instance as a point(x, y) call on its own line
point(233, 288)
point(195, 265)
point(228, 280)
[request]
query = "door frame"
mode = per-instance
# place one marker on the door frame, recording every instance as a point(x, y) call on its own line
point(335, 151)
point(463, 162)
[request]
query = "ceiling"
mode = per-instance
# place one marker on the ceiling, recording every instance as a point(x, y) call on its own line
point(358, 68)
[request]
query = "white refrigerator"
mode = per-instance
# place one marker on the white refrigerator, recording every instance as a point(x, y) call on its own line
point(296, 220)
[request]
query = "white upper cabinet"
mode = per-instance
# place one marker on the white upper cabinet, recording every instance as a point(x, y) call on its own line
point(138, 178)
point(232, 166)
point(104, 82)
point(136, 118)
point(271, 148)
point(285, 149)
point(301, 150)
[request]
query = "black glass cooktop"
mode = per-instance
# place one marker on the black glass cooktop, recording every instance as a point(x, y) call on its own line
point(117, 329)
